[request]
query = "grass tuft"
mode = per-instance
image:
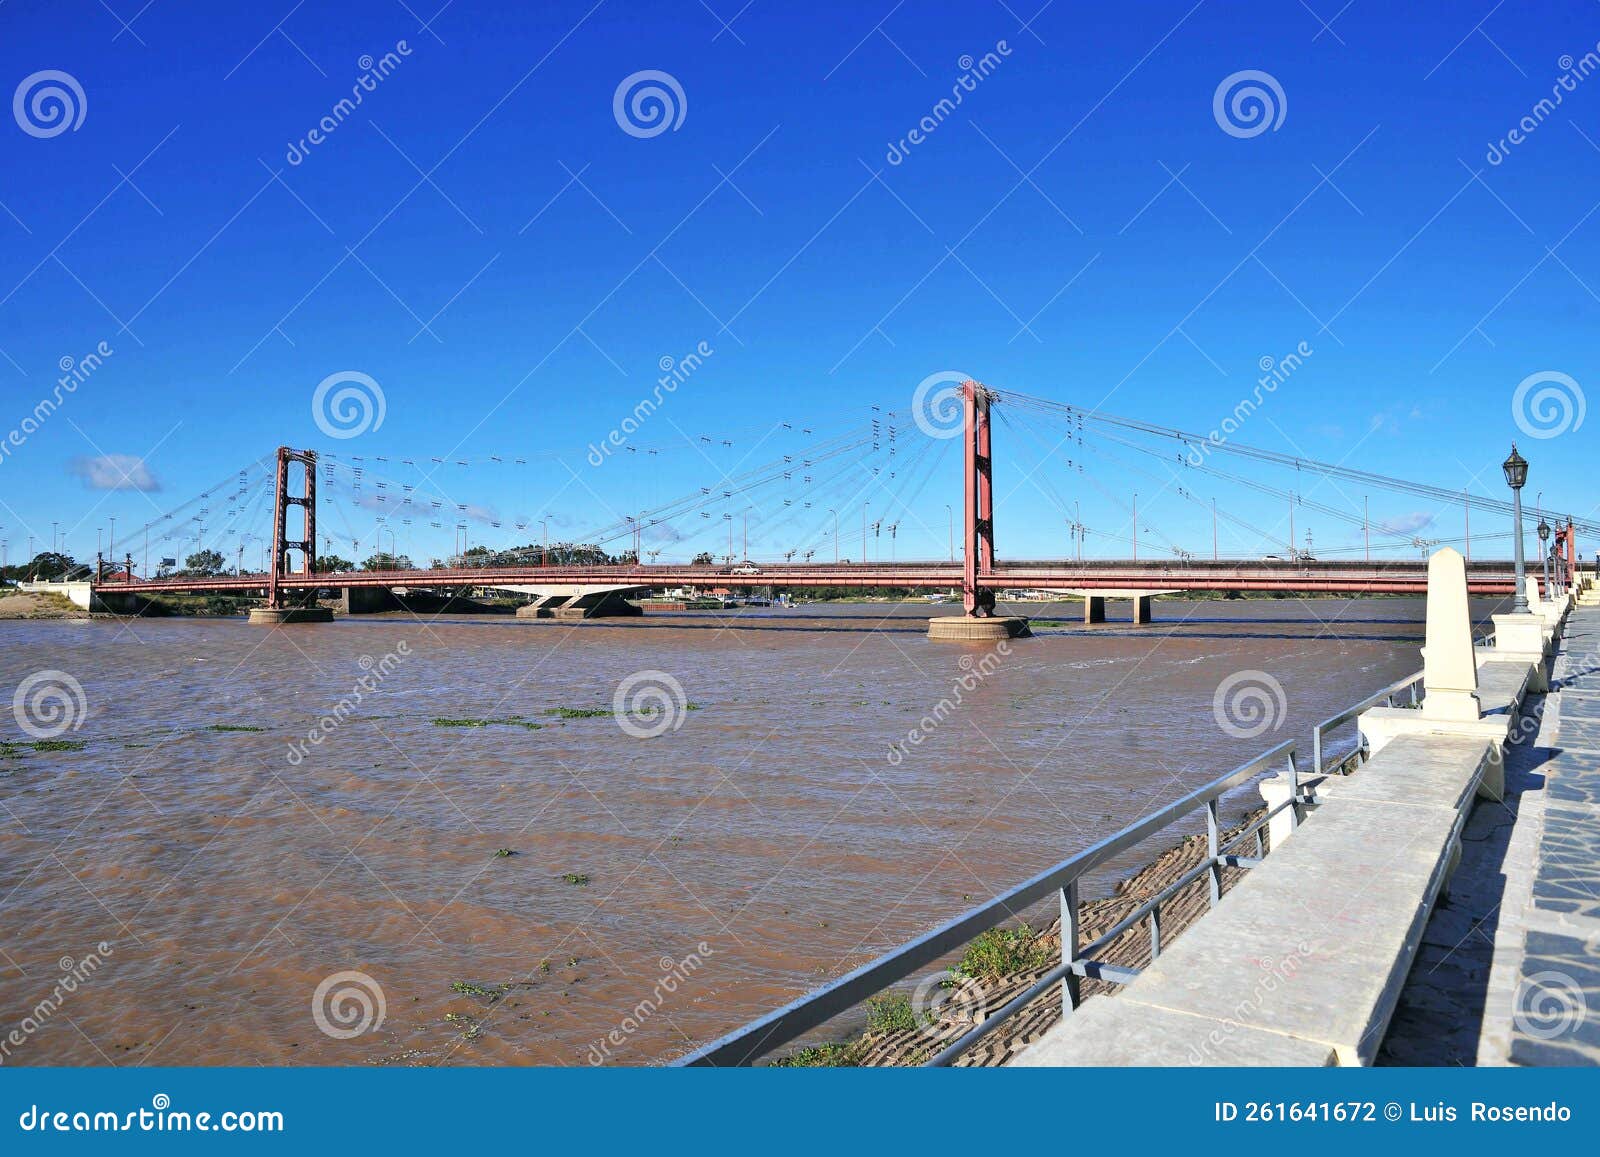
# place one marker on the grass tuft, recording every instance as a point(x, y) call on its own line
point(1003, 952)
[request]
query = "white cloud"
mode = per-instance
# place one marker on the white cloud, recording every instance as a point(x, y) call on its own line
point(114, 472)
point(1407, 523)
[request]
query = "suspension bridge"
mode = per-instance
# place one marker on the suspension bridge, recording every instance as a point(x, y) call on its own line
point(288, 502)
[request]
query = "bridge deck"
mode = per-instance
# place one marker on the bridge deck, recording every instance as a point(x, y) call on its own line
point(1109, 578)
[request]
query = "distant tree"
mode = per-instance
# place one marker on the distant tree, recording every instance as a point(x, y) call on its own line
point(383, 560)
point(333, 564)
point(48, 565)
point(204, 562)
point(703, 558)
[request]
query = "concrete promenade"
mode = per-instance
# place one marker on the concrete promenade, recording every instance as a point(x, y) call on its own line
point(1440, 906)
point(1509, 968)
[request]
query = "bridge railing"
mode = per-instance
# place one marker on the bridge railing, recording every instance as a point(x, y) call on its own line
point(1062, 881)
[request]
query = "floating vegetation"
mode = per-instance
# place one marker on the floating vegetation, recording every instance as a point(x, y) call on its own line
point(578, 712)
point(10, 749)
point(502, 853)
point(233, 727)
point(472, 1030)
point(576, 879)
point(486, 991)
point(509, 721)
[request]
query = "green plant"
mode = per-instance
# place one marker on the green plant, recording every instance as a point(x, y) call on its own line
point(892, 1012)
point(502, 853)
point(834, 1054)
point(233, 727)
point(577, 712)
point(576, 879)
point(1002, 952)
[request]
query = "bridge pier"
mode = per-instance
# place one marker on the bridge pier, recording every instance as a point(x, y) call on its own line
point(278, 616)
point(601, 605)
point(961, 629)
point(367, 600)
point(1094, 605)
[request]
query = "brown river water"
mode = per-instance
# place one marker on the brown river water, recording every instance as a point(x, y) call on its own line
point(198, 867)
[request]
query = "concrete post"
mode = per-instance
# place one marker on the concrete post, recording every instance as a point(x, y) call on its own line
point(1094, 609)
point(1449, 667)
point(1141, 608)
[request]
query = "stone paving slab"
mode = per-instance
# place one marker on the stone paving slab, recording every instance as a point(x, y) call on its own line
point(1579, 732)
point(1500, 685)
point(1568, 878)
point(1572, 776)
point(1558, 1004)
point(1418, 771)
point(1101, 1033)
point(1583, 706)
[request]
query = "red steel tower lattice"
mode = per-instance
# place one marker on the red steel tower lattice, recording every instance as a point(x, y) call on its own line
point(282, 544)
point(977, 597)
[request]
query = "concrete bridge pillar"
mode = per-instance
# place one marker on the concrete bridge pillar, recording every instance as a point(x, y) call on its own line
point(366, 600)
point(1094, 609)
point(1141, 608)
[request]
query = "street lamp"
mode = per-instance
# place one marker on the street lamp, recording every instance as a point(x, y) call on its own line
point(1516, 471)
point(1544, 537)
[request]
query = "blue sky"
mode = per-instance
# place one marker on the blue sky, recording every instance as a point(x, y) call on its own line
point(483, 239)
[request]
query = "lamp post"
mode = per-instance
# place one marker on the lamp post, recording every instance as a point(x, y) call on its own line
point(1516, 471)
point(1544, 537)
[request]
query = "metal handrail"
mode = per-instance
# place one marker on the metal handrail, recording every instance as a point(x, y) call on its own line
point(1411, 684)
point(779, 1028)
